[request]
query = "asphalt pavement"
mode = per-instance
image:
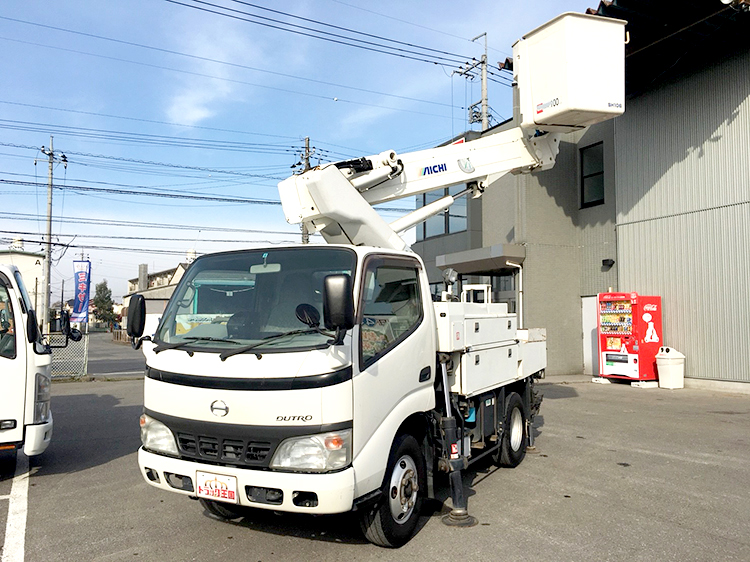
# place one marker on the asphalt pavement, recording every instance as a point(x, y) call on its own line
point(620, 473)
point(109, 359)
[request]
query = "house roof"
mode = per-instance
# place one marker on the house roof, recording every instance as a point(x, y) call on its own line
point(160, 273)
point(670, 39)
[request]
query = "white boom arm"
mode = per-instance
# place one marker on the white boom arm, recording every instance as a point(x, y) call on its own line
point(557, 93)
point(336, 200)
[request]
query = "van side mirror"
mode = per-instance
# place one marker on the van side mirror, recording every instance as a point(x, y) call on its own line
point(338, 305)
point(136, 316)
point(32, 330)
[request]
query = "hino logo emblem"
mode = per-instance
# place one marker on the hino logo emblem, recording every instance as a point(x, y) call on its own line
point(219, 408)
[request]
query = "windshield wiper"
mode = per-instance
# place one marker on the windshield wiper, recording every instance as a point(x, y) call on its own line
point(188, 340)
point(269, 339)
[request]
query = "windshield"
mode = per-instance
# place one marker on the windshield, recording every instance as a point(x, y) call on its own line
point(251, 297)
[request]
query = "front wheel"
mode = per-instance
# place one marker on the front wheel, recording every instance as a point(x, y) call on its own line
point(513, 443)
point(221, 510)
point(8, 461)
point(393, 520)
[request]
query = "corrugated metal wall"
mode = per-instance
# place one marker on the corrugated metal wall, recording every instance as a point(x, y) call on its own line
point(683, 213)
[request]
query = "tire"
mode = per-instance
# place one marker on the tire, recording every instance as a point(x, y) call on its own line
point(8, 461)
point(392, 521)
point(513, 442)
point(221, 510)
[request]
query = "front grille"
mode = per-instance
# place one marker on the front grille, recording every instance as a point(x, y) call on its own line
point(208, 447)
point(257, 452)
point(232, 450)
point(187, 443)
point(224, 450)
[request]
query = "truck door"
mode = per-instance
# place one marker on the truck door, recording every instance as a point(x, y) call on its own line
point(12, 365)
point(396, 348)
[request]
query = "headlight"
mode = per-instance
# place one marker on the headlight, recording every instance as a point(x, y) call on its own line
point(315, 453)
point(41, 399)
point(157, 437)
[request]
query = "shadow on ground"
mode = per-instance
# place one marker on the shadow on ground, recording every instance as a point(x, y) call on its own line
point(107, 432)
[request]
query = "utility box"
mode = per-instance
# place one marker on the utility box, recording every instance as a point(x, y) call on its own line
point(578, 77)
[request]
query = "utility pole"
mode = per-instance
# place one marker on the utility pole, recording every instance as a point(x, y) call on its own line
point(53, 159)
point(306, 163)
point(483, 115)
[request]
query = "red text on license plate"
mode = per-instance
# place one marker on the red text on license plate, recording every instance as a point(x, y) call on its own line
point(216, 486)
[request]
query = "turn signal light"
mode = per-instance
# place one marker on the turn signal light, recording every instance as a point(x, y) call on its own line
point(334, 442)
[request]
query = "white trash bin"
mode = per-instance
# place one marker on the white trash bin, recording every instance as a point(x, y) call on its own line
point(671, 366)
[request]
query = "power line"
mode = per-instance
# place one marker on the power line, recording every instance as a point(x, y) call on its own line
point(140, 250)
point(161, 194)
point(223, 79)
point(322, 35)
point(145, 238)
point(164, 194)
point(172, 124)
point(348, 30)
point(150, 162)
point(131, 224)
point(226, 63)
point(150, 139)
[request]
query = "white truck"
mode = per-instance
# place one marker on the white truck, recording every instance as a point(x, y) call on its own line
point(251, 400)
point(25, 365)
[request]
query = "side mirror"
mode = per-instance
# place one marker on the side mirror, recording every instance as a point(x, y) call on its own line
point(70, 333)
point(32, 330)
point(136, 316)
point(65, 323)
point(338, 303)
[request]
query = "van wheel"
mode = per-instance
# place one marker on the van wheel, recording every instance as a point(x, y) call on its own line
point(513, 443)
point(226, 511)
point(392, 521)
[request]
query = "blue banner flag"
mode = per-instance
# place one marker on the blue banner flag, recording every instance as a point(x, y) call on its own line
point(82, 282)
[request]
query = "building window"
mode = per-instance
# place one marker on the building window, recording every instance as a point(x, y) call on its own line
point(449, 221)
point(592, 175)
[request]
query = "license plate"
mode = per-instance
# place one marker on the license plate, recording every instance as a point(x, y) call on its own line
point(216, 487)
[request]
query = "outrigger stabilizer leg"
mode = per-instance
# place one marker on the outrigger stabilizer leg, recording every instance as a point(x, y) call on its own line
point(459, 514)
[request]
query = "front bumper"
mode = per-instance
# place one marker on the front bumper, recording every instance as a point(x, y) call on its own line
point(38, 438)
point(332, 492)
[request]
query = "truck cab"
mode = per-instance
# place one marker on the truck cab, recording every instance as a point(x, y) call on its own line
point(244, 381)
point(25, 367)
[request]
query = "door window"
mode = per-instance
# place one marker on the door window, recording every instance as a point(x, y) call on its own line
point(7, 327)
point(391, 309)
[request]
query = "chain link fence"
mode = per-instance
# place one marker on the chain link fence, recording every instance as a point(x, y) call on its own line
point(71, 361)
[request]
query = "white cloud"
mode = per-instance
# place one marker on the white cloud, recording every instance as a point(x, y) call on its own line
point(198, 97)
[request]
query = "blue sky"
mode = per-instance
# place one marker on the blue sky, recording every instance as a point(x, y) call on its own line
point(160, 97)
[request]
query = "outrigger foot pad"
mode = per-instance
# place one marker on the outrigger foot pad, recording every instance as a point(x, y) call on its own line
point(459, 518)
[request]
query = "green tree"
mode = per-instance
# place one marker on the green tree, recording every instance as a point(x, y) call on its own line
point(103, 305)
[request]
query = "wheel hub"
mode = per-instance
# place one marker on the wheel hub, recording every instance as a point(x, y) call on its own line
point(404, 487)
point(516, 429)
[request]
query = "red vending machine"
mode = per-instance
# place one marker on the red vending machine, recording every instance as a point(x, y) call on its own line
point(629, 336)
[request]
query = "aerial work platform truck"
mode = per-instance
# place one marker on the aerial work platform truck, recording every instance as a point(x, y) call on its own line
point(323, 379)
